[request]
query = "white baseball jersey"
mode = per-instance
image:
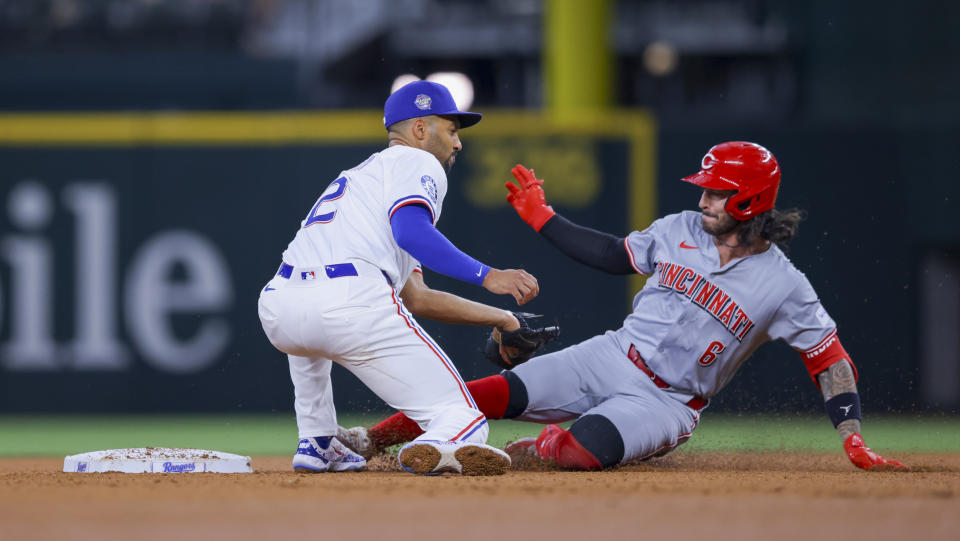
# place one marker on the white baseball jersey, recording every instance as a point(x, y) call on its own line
point(335, 305)
point(695, 322)
point(351, 219)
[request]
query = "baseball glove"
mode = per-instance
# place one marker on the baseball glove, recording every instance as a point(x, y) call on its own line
point(507, 349)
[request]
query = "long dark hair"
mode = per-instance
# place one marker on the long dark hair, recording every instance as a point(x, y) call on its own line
point(777, 226)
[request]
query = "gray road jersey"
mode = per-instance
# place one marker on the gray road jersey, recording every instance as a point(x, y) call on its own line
point(695, 322)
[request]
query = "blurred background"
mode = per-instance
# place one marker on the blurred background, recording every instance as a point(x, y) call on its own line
point(157, 156)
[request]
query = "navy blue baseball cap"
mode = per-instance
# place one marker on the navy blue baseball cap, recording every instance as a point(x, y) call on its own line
point(424, 98)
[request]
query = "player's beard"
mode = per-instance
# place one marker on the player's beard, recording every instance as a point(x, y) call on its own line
point(448, 165)
point(436, 146)
point(721, 226)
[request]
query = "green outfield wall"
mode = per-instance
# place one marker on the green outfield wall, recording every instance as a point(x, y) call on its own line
point(133, 247)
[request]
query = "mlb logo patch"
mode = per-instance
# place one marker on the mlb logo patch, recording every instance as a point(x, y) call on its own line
point(423, 102)
point(430, 186)
point(309, 275)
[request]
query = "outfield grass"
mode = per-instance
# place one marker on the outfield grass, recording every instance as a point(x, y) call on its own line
point(815, 434)
point(28, 435)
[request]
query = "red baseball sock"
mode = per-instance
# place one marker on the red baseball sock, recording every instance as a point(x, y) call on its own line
point(492, 394)
point(560, 445)
point(398, 428)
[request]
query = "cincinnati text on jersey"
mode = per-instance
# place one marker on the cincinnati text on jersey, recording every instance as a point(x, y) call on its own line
point(706, 295)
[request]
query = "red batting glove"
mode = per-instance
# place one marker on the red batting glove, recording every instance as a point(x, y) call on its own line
point(863, 458)
point(529, 200)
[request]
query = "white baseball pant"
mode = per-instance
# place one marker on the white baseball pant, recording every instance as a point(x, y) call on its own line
point(361, 323)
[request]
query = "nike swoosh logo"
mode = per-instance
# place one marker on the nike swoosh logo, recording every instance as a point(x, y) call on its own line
point(479, 272)
point(268, 288)
point(684, 244)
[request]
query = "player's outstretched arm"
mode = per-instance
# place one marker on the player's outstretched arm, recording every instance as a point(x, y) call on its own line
point(415, 233)
point(442, 306)
point(599, 250)
point(839, 387)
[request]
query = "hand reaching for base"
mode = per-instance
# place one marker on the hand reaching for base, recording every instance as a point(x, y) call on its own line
point(864, 458)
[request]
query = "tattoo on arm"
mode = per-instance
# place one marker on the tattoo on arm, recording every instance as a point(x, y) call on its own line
point(848, 427)
point(836, 379)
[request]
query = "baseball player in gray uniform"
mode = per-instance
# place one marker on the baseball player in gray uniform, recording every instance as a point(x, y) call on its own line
point(718, 288)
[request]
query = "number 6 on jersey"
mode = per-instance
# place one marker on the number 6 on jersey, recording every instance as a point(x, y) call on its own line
point(715, 348)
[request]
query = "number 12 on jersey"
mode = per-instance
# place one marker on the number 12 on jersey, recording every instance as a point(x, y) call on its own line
point(315, 217)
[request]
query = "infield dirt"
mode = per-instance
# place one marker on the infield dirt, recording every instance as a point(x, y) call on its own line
point(770, 496)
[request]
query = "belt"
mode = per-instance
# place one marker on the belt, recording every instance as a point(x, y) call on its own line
point(697, 402)
point(332, 271)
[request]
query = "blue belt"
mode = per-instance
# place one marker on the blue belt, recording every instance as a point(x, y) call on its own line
point(333, 271)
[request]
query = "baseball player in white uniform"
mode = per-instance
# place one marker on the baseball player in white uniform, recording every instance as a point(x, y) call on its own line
point(351, 283)
point(718, 288)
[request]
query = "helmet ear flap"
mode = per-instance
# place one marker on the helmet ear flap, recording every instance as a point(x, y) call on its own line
point(738, 207)
point(742, 207)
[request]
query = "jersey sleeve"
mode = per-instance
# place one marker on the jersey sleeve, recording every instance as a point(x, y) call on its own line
point(640, 247)
point(417, 178)
point(804, 324)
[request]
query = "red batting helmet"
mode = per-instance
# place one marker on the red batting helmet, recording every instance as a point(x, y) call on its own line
point(749, 169)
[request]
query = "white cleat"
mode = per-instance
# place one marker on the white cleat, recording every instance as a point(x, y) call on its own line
point(428, 457)
point(318, 455)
